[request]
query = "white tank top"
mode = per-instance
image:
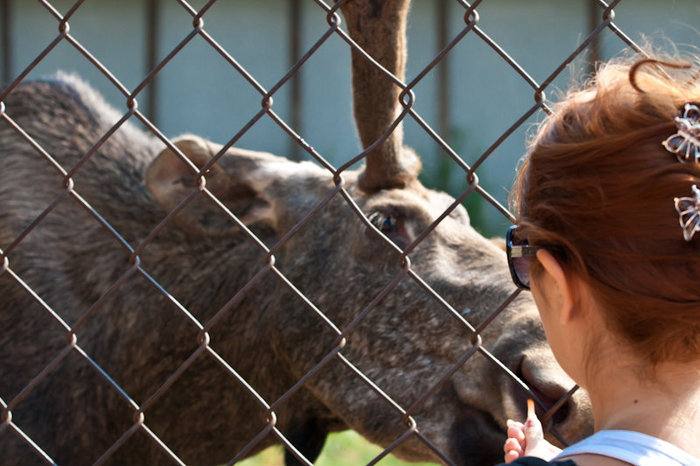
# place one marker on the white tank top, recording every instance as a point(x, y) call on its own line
point(633, 447)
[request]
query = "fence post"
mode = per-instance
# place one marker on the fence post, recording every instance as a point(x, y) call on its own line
point(6, 40)
point(153, 11)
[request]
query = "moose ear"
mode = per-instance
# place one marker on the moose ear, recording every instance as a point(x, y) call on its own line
point(170, 180)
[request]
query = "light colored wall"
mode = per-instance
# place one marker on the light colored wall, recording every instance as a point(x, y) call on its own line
point(200, 92)
point(114, 32)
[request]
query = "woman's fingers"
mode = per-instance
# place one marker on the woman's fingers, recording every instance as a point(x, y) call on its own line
point(511, 456)
point(516, 430)
point(513, 450)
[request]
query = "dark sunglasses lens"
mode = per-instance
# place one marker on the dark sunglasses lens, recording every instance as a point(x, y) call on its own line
point(521, 267)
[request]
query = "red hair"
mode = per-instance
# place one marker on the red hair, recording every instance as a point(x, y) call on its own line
point(598, 185)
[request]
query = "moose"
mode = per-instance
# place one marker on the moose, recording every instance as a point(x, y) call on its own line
point(199, 289)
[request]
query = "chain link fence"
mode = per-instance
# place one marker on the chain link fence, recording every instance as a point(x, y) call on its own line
point(209, 321)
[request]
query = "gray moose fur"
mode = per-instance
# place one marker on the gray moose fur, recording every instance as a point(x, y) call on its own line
point(139, 336)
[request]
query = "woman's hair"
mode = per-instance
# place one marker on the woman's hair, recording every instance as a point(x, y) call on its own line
point(598, 186)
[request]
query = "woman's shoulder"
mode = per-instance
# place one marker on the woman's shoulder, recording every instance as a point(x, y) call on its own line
point(578, 460)
point(586, 459)
point(532, 461)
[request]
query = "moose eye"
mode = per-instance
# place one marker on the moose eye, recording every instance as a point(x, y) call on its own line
point(384, 223)
point(392, 225)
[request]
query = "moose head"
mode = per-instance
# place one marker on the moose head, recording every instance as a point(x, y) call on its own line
point(252, 300)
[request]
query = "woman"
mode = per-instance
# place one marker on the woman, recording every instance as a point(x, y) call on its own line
point(608, 231)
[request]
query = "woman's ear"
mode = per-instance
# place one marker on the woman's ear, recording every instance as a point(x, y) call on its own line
point(563, 287)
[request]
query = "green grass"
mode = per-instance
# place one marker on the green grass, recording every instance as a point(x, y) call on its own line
point(341, 449)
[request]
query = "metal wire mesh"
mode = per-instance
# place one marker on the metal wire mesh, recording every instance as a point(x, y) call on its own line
point(266, 268)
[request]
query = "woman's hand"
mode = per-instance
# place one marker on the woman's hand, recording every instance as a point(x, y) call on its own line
point(527, 439)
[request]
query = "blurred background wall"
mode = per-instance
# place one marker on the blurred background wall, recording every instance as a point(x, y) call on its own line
point(470, 98)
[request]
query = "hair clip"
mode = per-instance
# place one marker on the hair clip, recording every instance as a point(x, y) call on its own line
point(686, 142)
point(689, 213)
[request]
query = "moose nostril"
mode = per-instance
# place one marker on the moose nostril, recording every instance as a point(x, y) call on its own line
point(548, 388)
point(562, 412)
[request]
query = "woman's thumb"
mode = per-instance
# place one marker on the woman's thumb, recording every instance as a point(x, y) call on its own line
point(532, 427)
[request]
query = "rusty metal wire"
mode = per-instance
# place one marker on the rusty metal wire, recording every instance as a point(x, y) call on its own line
point(204, 346)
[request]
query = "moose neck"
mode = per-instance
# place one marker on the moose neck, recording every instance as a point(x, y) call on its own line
point(379, 28)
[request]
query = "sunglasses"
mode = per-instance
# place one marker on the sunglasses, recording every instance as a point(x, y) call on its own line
point(519, 254)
